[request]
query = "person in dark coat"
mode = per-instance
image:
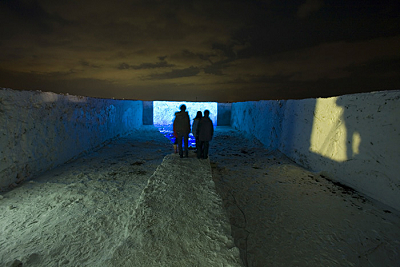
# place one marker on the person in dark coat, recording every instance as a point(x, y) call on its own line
point(205, 131)
point(182, 128)
point(196, 120)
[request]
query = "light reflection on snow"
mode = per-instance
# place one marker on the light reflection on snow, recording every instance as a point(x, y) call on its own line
point(166, 130)
point(164, 111)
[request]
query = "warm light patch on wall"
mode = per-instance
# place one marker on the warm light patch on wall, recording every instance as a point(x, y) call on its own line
point(355, 144)
point(164, 111)
point(328, 136)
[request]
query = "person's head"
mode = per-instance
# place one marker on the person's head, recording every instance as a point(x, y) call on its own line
point(206, 113)
point(199, 115)
point(183, 107)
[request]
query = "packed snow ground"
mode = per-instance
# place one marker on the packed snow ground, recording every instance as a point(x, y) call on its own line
point(129, 205)
point(284, 215)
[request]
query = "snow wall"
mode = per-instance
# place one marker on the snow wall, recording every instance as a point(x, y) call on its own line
point(42, 130)
point(352, 139)
point(224, 114)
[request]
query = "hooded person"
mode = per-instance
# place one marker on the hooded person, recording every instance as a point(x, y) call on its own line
point(182, 129)
point(205, 131)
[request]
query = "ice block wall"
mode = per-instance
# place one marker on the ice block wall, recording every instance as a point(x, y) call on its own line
point(224, 114)
point(42, 130)
point(353, 139)
point(260, 119)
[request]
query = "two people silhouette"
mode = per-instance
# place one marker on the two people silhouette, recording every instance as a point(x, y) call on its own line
point(203, 131)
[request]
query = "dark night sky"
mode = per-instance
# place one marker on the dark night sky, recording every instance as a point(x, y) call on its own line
point(234, 50)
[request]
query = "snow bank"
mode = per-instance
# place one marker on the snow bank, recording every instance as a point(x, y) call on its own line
point(353, 139)
point(42, 130)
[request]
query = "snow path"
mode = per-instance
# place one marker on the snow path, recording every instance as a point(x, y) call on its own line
point(284, 215)
point(108, 209)
point(180, 220)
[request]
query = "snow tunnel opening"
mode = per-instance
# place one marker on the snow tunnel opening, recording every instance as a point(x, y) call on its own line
point(164, 115)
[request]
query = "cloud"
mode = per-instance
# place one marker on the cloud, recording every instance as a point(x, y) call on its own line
point(226, 48)
point(191, 55)
point(20, 16)
point(86, 63)
point(329, 61)
point(309, 7)
point(179, 73)
point(161, 64)
point(217, 68)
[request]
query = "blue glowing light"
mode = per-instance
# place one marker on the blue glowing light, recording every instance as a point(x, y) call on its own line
point(164, 111)
point(164, 115)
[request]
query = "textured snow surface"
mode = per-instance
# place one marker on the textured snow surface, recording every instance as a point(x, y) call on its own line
point(133, 203)
point(284, 215)
point(179, 220)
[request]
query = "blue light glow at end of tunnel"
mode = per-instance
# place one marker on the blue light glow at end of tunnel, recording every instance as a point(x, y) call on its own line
point(164, 111)
point(164, 115)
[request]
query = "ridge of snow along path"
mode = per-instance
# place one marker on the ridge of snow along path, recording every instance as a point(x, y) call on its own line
point(179, 220)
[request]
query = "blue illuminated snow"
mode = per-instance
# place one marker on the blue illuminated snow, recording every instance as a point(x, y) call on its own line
point(164, 111)
point(164, 115)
